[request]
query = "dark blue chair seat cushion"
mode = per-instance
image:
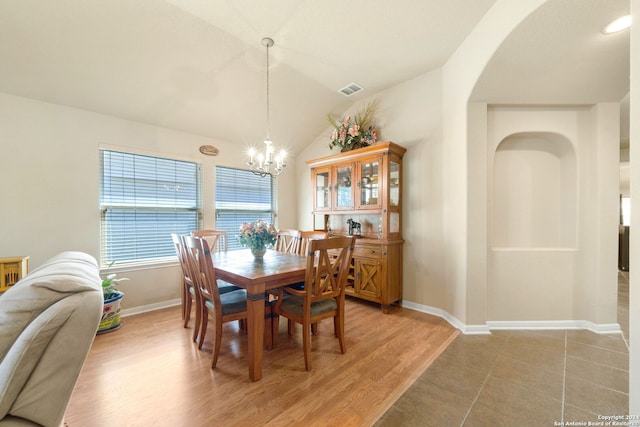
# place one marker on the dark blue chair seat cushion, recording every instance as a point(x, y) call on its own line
point(293, 304)
point(232, 302)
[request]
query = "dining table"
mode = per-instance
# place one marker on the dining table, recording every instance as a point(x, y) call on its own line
point(257, 276)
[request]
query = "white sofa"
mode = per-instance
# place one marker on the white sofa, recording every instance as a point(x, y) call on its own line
point(48, 321)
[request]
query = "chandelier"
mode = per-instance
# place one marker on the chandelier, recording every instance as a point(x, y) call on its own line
point(267, 162)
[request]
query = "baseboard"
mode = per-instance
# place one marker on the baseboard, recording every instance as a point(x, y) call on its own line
point(605, 328)
point(150, 307)
point(455, 322)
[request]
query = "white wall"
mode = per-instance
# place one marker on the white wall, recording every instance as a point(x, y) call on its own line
point(410, 115)
point(465, 249)
point(50, 180)
point(558, 263)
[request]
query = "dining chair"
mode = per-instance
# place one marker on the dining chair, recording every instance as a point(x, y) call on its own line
point(288, 241)
point(222, 308)
point(300, 248)
point(217, 239)
point(188, 294)
point(324, 290)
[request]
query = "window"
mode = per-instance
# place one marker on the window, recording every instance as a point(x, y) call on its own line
point(143, 199)
point(242, 197)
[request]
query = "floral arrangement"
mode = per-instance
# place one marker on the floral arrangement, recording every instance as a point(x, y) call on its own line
point(354, 132)
point(110, 283)
point(257, 235)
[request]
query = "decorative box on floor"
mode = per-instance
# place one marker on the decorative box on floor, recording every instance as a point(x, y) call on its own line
point(12, 269)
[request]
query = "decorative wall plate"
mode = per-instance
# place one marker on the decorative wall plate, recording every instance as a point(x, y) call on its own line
point(209, 150)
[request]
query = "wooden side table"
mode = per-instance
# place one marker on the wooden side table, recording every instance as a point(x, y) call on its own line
point(12, 269)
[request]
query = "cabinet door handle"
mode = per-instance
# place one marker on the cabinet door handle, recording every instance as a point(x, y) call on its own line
point(373, 251)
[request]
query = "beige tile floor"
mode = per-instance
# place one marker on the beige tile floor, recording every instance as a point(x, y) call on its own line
point(523, 378)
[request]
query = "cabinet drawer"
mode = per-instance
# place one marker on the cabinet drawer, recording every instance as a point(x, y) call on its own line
point(367, 251)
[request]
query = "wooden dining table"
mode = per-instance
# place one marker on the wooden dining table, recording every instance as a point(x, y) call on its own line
point(257, 275)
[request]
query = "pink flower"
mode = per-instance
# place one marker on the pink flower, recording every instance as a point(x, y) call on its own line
point(354, 130)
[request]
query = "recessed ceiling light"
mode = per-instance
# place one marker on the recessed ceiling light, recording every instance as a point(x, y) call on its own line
point(619, 24)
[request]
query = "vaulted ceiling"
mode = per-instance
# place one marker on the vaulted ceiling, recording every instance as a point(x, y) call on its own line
point(199, 65)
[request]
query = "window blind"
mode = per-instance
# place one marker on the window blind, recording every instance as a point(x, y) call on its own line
point(143, 199)
point(242, 197)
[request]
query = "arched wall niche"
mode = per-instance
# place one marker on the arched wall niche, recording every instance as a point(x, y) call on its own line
point(534, 192)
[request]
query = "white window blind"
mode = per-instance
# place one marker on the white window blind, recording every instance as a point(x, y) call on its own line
point(143, 199)
point(242, 197)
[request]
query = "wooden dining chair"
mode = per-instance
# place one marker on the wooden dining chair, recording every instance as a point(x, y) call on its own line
point(300, 248)
point(222, 308)
point(288, 241)
point(188, 294)
point(324, 290)
point(217, 239)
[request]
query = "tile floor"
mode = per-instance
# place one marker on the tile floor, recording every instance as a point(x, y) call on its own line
point(523, 378)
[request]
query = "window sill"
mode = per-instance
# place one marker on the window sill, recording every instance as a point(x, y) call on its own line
point(140, 265)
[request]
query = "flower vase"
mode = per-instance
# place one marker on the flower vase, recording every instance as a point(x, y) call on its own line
point(258, 252)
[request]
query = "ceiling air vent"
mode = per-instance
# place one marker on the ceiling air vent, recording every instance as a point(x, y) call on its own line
point(350, 89)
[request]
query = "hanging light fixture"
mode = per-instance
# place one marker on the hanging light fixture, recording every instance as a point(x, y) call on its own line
point(267, 162)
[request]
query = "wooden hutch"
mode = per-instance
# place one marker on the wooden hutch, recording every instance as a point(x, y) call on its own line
point(365, 185)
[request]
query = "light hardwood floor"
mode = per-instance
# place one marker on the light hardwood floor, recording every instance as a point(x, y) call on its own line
point(150, 373)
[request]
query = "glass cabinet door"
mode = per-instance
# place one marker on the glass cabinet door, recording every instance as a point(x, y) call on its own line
point(344, 190)
point(323, 190)
point(394, 183)
point(369, 183)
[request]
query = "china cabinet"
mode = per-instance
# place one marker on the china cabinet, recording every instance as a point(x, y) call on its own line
point(364, 186)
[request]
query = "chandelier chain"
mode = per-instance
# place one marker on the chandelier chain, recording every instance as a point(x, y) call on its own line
point(268, 109)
